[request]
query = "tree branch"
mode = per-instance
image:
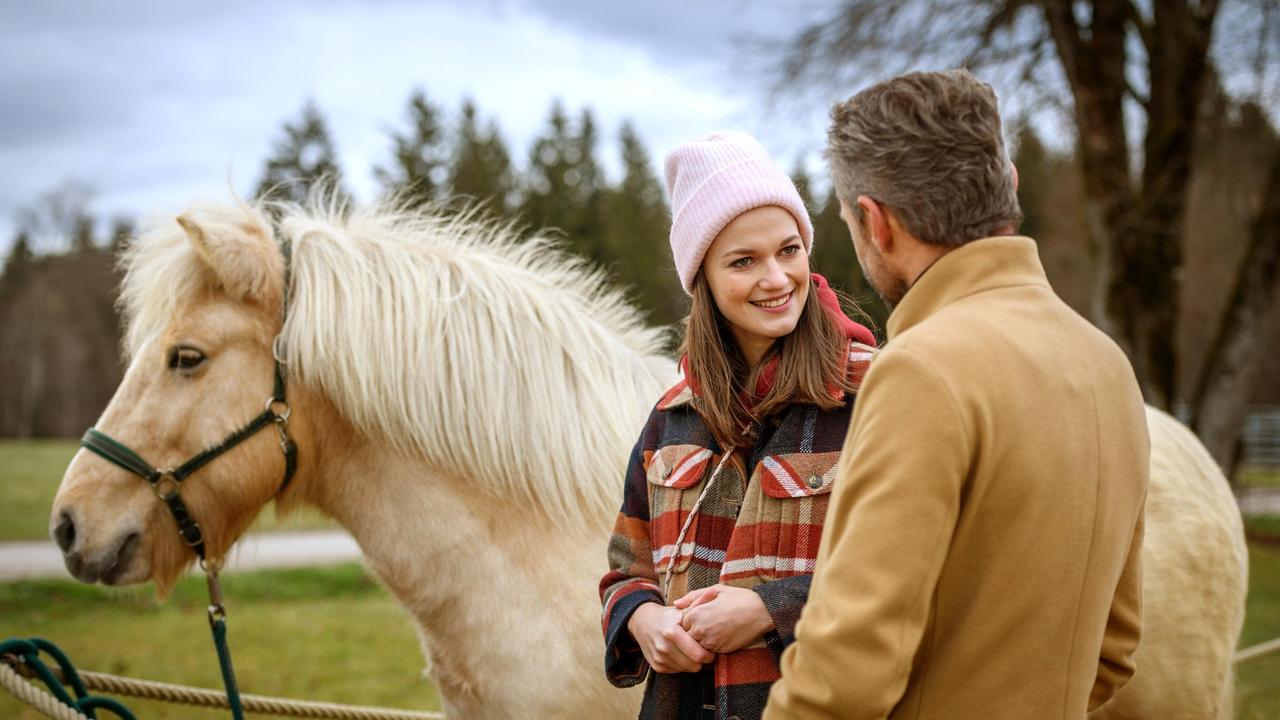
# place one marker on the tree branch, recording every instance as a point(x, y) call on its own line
point(1066, 36)
point(1134, 16)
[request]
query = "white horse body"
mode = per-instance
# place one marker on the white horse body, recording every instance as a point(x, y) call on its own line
point(464, 405)
point(1196, 567)
point(497, 468)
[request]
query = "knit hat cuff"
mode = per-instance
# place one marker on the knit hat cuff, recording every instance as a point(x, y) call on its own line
point(730, 191)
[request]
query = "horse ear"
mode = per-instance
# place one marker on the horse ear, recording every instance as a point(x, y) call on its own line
point(241, 255)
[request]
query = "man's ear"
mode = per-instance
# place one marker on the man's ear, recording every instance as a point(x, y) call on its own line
point(876, 223)
point(1014, 170)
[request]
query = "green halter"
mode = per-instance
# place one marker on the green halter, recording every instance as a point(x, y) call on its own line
point(168, 483)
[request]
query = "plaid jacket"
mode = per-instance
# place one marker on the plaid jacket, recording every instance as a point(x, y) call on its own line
point(761, 534)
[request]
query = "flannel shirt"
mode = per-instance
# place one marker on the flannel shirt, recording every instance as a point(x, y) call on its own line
point(761, 534)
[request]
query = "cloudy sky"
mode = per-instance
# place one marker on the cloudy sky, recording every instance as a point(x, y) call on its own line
point(153, 102)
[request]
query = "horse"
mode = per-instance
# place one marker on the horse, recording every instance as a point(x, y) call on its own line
point(1195, 578)
point(464, 403)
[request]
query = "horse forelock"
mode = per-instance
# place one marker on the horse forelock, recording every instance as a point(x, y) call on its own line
point(509, 364)
point(163, 270)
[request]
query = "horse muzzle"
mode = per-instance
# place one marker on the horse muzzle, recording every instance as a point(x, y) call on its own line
point(114, 562)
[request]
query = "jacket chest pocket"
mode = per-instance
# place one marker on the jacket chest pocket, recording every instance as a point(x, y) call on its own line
point(787, 507)
point(676, 475)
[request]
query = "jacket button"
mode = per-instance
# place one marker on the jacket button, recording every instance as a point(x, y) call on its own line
point(815, 481)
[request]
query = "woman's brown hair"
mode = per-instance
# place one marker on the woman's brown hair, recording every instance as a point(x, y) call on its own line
point(810, 364)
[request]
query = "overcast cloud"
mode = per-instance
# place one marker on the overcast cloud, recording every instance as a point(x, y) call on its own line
point(153, 103)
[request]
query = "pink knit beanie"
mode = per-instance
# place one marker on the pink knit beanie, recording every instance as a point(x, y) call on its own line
point(714, 179)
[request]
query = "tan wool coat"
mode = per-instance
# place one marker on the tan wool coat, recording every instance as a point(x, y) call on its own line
point(980, 557)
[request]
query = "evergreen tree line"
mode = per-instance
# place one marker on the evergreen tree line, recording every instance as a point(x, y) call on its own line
point(463, 163)
point(59, 335)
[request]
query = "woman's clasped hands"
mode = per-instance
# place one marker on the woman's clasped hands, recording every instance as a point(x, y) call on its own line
point(689, 633)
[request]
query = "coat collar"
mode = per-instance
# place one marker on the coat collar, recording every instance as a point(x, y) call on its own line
point(985, 264)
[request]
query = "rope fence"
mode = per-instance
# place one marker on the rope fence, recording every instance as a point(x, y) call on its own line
point(1257, 651)
point(16, 683)
point(14, 677)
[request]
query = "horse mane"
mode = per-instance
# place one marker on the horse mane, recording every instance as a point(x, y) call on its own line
point(502, 360)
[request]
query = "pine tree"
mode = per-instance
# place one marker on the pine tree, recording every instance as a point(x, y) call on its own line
point(122, 233)
point(82, 239)
point(480, 172)
point(1035, 167)
point(19, 256)
point(587, 188)
point(636, 231)
point(302, 159)
point(548, 196)
point(418, 167)
point(804, 185)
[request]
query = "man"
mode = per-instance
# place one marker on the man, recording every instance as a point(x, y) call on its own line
point(981, 554)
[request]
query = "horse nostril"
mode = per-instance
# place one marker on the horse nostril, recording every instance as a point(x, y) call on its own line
point(65, 533)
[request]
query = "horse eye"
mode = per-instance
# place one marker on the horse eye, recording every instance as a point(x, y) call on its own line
point(185, 358)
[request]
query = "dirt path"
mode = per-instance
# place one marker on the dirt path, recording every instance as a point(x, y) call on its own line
point(41, 559)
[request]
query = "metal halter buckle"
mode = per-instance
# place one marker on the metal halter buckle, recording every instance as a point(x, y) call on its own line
point(166, 479)
point(274, 402)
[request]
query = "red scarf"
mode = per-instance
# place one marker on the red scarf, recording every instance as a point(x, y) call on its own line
point(764, 381)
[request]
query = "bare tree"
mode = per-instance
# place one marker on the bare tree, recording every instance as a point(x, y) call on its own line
point(57, 217)
point(1118, 66)
point(1235, 358)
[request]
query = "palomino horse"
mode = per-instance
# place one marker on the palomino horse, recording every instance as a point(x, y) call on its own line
point(464, 404)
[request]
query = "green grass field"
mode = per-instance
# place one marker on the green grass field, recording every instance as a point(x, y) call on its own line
point(1258, 681)
point(333, 634)
point(1259, 477)
point(328, 634)
point(30, 471)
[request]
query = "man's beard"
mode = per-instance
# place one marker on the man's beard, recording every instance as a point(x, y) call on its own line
point(893, 291)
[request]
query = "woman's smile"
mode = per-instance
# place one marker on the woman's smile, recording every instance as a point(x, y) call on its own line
point(776, 304)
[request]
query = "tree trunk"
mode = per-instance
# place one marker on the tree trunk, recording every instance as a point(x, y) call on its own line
point(1251, 321)
point(1093, 63)
point(1144, 287)
point(1136, 236)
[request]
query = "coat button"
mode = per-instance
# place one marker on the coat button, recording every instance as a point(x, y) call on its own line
point(815, 481)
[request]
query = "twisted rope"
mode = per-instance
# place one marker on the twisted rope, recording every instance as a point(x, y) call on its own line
point(35, 696)
point(1257, 651)
point(199, 697)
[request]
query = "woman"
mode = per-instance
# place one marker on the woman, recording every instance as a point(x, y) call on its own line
point(727, 488)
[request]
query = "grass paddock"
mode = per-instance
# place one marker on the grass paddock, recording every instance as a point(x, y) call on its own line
point(329, 634)
point(30, 471)
point(333, 634)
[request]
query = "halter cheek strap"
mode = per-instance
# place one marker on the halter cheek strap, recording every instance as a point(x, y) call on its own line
point(167, 483)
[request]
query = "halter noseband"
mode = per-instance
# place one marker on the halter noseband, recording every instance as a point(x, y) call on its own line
point(167, 483)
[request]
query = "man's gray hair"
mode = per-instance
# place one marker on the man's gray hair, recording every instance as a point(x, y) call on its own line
point(928, 146)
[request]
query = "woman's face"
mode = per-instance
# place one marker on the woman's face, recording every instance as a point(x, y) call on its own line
point(758, 273)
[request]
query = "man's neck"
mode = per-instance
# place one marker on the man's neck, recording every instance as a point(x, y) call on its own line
point(923, 255)
point(920, 261)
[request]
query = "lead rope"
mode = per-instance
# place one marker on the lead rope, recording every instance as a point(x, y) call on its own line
point(17, 668)
point(666, 578)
